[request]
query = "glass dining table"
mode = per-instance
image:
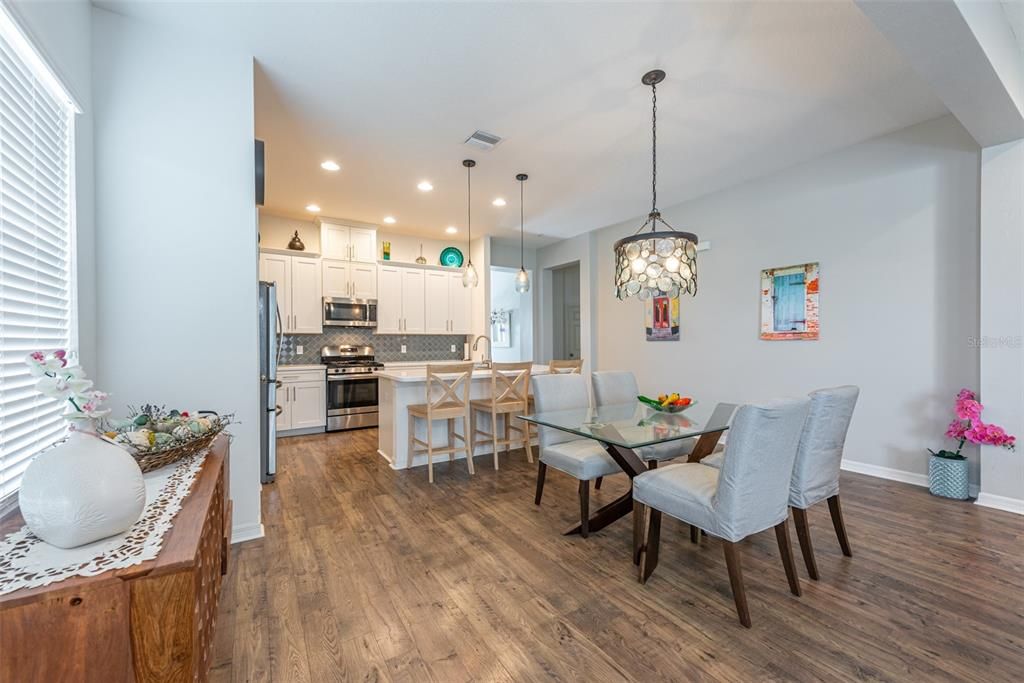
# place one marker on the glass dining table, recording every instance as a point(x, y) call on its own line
point(624, 429)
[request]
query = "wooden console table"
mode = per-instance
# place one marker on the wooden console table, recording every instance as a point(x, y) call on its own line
point(150, 622)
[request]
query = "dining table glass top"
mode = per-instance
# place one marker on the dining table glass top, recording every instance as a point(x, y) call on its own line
point(634, 425)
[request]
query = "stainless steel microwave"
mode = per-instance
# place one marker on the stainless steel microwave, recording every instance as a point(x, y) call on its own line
point(340, 312)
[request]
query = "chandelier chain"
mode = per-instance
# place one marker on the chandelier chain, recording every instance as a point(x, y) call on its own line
point(654, 147)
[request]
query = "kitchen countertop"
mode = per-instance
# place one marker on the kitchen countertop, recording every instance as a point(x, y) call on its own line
point(400, 375)
point(416, 363)
point(303, 366)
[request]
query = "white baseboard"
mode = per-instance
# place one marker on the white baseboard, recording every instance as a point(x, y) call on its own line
point(246, 532)
point(990, 500)
point(891, 474)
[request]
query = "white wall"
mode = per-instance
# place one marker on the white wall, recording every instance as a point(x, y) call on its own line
point(61, 31)
point(1002, 320)
point(277, 231)
point(505, 297)
point(176, 232)
point(894, 225)
point(581, 249)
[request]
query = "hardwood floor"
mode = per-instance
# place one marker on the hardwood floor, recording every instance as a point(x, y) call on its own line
point(370, 574)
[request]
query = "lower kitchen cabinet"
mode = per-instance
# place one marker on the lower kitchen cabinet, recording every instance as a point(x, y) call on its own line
point(302, 399)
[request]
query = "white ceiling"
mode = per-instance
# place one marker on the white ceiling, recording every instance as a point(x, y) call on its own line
point(390, 91)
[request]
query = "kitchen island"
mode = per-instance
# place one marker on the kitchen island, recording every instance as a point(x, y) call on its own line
point(398, 388)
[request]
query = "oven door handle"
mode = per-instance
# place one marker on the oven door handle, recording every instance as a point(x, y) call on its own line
point(346, 378)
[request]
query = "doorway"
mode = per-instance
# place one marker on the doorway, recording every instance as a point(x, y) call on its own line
point(565, 299)
point(511, 318)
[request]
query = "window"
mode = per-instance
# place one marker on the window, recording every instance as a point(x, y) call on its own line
point(36, 245)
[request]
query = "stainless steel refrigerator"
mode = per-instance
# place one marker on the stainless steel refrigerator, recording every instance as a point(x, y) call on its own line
point(270, 344)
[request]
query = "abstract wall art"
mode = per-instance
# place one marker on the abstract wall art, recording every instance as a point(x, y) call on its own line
point(661, 318)
point(789, 302)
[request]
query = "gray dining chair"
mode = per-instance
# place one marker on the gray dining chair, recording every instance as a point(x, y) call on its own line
point(615, 387)
point(583, 459)
point(816, 471)
point(748, 495)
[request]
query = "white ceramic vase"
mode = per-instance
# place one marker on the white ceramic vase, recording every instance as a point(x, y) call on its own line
point(80, 491)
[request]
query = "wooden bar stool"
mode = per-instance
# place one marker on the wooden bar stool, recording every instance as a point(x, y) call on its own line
point(573, 366)
point(510, 395)
point(447, 406)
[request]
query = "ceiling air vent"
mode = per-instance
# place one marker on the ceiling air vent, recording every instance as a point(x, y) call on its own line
point(482, 140)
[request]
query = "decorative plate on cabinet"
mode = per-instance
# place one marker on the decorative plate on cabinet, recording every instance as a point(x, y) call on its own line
point(451, 257)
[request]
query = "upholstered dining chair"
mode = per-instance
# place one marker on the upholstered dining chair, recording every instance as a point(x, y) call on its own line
point(613, 387)
point(749, 494)
point(816, 471)
point(583, 459)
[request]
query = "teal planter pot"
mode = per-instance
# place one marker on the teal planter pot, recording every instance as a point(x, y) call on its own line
point(948, 478)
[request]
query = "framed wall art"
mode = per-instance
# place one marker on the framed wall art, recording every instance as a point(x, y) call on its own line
point(789, 302)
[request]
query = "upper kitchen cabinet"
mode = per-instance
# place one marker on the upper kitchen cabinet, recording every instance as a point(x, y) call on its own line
point(299, 291)
point(400, 308)
point(447, 303)
point(349, 280)
point(345, 242)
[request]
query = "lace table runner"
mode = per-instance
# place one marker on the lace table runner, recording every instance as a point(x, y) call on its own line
point(28, 562)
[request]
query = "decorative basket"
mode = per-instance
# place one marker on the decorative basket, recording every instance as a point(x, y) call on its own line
point(155, 458)
point(948, 478)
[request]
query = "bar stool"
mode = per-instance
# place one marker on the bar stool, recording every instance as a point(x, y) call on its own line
point(510, 395)
point(573, 366)
point(451, 380)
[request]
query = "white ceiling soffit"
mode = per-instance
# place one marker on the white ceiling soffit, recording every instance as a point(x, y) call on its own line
point(969, 53)
point(391, 91)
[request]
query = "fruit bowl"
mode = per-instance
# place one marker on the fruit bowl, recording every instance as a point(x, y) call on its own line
point(668, 407)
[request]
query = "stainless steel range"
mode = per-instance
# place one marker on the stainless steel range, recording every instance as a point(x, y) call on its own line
point(351, 386)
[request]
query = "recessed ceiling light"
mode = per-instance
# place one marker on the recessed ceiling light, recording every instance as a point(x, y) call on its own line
point(424, 186)
point(312, 208)
point(389, 219)
point(451, 230)
point(330, 165)
point(498, 202)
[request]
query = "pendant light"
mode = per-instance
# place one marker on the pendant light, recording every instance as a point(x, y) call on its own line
point(522, 277)
point(658, 262)
point(469, 275)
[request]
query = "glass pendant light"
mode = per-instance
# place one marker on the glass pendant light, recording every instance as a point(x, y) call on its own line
point(469, 275)
point(658, 262)
point(522, 277)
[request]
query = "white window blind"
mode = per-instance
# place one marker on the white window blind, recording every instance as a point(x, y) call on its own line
point(36, 245)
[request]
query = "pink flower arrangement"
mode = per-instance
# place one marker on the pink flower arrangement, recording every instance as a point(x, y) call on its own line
point(56, 380)
point(967, 426)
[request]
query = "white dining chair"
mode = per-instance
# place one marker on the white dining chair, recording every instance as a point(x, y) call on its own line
point(748, 495)
point(583, 459)
point(816, 471)
point(615, 387)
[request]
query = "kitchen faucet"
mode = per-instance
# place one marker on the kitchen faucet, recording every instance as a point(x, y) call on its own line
point(486, 360)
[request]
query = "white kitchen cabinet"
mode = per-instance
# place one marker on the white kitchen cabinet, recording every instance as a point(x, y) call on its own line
point(337, 278)
point(400, 299)
point(413, 313)
point(307, 297)
point(277, 268)
point(349, 279)
point(416, 300)
point(299, 291)
point(389, 300)
point(302, 398)
point(436, 305)
point(364, 280)
point(348, 243)
point(459, 305)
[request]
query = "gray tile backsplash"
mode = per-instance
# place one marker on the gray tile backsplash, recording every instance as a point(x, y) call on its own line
point(387, 347)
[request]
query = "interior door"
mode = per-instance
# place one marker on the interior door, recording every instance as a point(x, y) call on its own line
point(277, 268)
point(363, 277)
point(436, 302)
point(309, 405)
point(307, 297)
point(364, 244)
point(459, 305)
point(413, 316)
point(572, 332)
point(389, 300)
point(337, 278)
